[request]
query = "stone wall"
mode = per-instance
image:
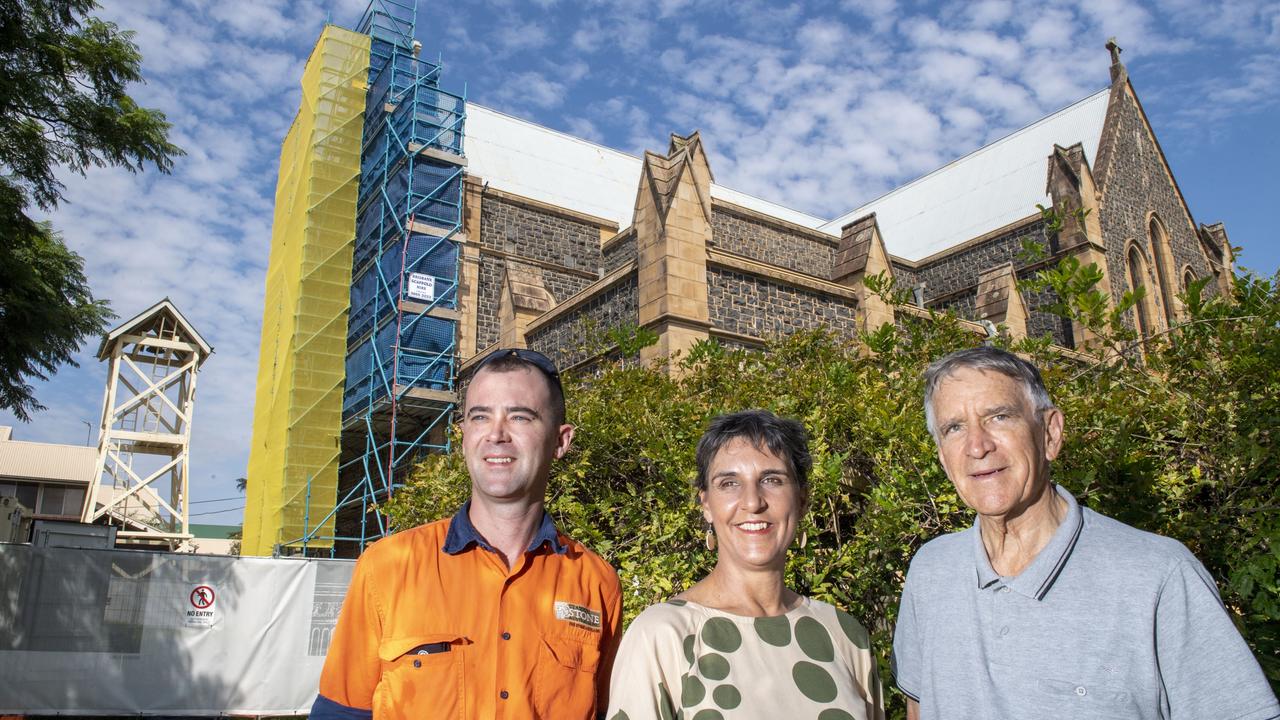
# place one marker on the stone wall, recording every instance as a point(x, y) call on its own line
point(906, 277)
point(619, 253)
point(768, 243)
point(564, 285)
point(1039, 322)
point(1135, 185)
point(578, 334)
point(518, 231)
point(750, 305)
point(962, 305)
point(958, 271)
point(957, 275)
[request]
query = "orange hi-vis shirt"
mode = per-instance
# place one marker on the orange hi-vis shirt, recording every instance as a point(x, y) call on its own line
point(435, 625)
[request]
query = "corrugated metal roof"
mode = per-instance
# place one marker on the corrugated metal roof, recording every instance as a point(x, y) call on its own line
point(987, 189)
point(47, 461)
point(542, 164)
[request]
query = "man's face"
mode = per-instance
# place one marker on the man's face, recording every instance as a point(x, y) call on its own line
point(509, 435)
point(992, 443)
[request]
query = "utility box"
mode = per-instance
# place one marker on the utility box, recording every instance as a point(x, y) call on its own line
point(56, 533)
point(15, 521)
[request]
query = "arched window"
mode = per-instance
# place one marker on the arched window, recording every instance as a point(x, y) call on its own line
point(1188, 277)
point(1161, 258)
point(1137, 281)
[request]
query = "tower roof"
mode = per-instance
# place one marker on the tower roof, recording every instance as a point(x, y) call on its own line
point(141, 322)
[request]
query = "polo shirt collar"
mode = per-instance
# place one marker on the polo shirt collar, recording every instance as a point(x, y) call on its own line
point(462, 534)
point(1039, 576)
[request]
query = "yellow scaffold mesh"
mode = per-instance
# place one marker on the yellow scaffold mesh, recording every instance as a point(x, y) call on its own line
point(297, 416)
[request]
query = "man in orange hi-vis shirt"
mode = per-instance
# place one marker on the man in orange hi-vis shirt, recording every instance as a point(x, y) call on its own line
point(491, 613)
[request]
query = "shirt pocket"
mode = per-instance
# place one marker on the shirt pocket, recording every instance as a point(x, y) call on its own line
point(565, 680)
point(1088, 699)
point(421, 678)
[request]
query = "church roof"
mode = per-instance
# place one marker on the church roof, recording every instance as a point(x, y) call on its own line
point(542, 164)
point(985, 190)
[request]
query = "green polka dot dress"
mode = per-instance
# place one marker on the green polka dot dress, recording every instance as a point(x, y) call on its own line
point(682, 660)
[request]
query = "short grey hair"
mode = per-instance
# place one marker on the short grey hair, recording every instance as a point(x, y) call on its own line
point(986, 359)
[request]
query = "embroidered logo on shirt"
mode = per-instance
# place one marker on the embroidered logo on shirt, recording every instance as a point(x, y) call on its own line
point(578, 615)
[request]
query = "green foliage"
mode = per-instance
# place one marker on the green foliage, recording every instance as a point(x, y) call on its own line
point(1055, 218)
point(46, 309)
point(631, 339)
point(63, 104)
point(1180, 441)
point(63, 99)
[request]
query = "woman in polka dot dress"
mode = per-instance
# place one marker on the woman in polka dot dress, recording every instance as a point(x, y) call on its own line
point(738, 644)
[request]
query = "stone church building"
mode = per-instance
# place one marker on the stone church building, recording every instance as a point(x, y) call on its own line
point(563, 238)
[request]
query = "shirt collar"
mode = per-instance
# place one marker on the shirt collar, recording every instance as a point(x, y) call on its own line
point(462, 534)
point(1036, 579)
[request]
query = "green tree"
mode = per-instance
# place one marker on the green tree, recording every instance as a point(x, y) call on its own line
point(64, 105)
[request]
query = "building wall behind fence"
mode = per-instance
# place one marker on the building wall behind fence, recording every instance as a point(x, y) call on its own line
point(111, 632)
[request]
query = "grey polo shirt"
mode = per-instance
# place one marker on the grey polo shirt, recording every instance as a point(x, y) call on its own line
point(1107, 622)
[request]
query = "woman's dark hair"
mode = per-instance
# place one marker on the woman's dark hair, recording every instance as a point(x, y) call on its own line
point(784, 437)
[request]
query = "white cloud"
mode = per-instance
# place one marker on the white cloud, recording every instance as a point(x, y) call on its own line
point(584, 128)
point(989, 13)
point(529, 90)
point(252, 18)
point(517, 35)
point(588, 37)
point(880, 13)
point(822, 40)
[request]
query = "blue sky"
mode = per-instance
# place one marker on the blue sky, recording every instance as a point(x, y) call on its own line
point(820, 106)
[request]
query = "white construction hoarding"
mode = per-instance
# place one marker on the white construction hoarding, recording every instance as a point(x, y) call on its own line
point(124, 632)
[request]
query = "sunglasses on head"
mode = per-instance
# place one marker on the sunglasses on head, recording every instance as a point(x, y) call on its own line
point(532, 357)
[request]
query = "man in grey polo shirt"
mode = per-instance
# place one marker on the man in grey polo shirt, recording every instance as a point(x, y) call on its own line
point(1045, 609)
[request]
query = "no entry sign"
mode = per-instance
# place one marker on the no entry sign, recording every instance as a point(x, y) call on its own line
point(203, 609)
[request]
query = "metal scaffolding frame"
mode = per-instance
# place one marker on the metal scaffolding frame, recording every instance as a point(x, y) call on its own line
point(399, 393)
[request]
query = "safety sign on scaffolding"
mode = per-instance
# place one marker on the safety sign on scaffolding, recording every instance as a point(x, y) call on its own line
point(422, 287)
point(202, 607)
